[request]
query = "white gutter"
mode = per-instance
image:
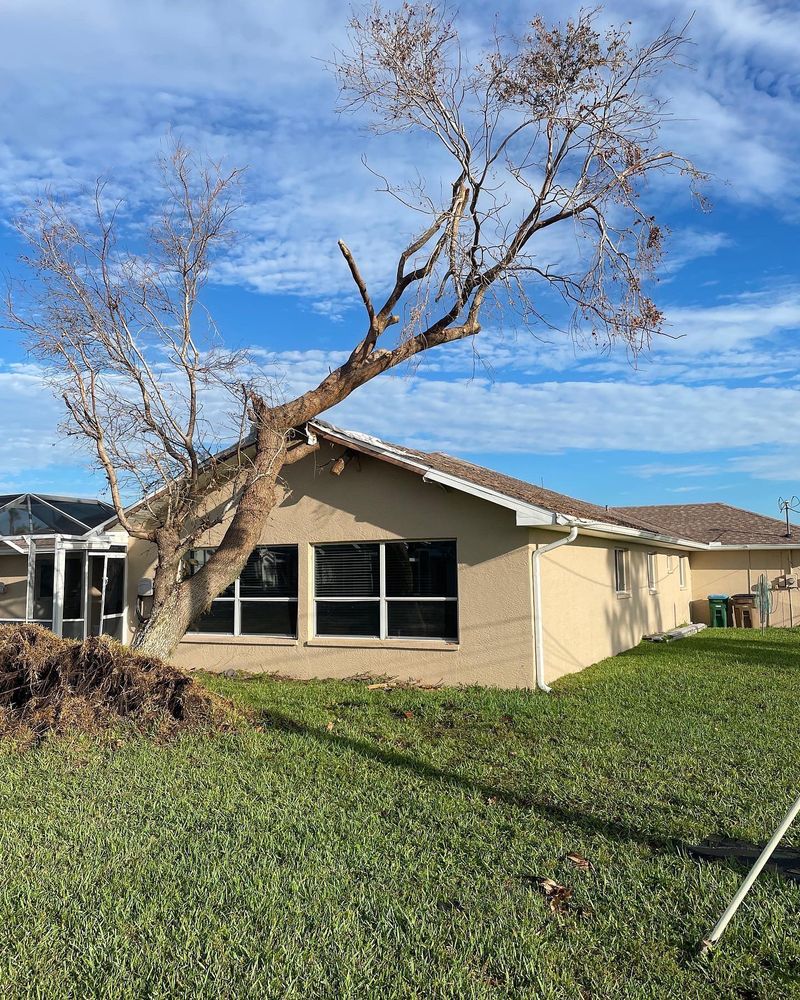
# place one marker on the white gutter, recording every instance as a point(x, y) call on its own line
point(538, 635)
point(604, 529)
point(763, 547)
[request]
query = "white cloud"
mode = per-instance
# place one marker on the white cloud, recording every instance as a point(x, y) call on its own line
point(93, 88)
point(31, 447)
point(778, 465)
point(247, 81)
point(651, 470)
point(554, 417)
point(474, 416)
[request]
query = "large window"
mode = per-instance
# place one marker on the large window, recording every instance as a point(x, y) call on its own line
point(386, 590)
point(263, 601)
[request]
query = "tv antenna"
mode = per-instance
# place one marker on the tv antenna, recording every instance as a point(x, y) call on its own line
point(786, 505)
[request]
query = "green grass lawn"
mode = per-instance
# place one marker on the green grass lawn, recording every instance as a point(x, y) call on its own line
point(370, 843)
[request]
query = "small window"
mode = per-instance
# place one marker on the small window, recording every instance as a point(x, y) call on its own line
point(682, 571)
point(387, 590)
point(263, 601)
point(652, 572)
point(621, 575)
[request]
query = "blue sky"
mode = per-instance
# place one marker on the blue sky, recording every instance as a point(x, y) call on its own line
point(92, 88)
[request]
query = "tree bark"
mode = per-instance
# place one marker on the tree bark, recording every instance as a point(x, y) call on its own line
point(177, 603)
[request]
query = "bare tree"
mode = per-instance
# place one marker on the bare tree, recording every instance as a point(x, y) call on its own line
point(556, 131)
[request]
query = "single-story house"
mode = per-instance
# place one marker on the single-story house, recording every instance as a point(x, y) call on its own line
point(387, 560)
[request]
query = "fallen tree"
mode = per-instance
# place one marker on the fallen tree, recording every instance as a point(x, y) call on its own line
point(554, 131)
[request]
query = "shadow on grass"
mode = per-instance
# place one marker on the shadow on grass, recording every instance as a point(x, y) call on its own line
point(584, 821)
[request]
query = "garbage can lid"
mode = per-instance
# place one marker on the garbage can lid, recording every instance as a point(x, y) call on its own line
point(718, 597)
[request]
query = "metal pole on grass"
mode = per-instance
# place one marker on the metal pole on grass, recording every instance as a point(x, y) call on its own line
point(708, 942)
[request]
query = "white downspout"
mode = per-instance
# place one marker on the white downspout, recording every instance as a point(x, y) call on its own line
point(538, 635)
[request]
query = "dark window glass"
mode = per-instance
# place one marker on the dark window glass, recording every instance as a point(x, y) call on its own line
point(351, 570)
point(88, 513)
point(219, 618)
point(113, 627)
point(196, 559)
point(18, 520)
point(72, 630)
point(421, 569)
point(356, 618)
point(423, 619)
point(271, 571)
point(115, 596)
point(620, 570)
point(44, 569)
point(269, 618)
point(73, 586)
point(53, 520)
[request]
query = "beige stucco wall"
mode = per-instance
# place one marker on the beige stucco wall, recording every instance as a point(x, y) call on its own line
point(14, 574)
point(734, 572)
point(584, 620)
point(583, 617)
point(374, 501)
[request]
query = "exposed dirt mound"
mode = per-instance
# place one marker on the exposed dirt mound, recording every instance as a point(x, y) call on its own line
point(48, 684)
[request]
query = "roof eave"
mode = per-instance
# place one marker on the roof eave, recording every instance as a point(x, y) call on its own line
point(761, 546)
point(527, 515)
point(602, 529)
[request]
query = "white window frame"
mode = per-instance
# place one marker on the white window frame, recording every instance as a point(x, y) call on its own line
point(652, 572)
point(237, 599)
point(682, 560)
point(383, 624)
point(625, 590)
point(59, 552)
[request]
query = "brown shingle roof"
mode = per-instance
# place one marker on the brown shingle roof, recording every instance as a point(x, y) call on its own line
point(514, 489)
point(714, 522)
point(700, 522)
point(518, 489)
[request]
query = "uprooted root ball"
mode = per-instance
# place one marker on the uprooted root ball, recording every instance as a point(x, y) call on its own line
point(48, 684)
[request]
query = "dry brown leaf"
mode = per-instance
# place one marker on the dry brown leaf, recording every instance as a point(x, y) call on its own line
point(578, 861)
point(557, 895)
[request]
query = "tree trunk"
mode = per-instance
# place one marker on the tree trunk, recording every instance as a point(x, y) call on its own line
point(176, 604)
point(160, 634)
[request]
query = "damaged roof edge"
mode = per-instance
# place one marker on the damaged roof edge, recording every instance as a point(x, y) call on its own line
point(528, 515)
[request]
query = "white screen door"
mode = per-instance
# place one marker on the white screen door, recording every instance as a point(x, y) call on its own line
point(106, 595)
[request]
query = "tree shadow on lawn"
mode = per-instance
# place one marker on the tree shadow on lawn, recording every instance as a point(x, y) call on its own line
point(554, 812)
point(584, 821)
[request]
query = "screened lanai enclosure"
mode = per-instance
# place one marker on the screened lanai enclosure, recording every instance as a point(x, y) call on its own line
point(60, 567)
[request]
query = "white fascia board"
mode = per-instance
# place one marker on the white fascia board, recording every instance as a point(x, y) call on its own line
point(368, 445)
point(779, 547)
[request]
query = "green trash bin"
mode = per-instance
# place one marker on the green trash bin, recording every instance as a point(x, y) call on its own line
point(718, 610)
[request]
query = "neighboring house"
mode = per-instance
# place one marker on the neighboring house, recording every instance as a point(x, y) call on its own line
point(405, 563)
point(741, 546)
